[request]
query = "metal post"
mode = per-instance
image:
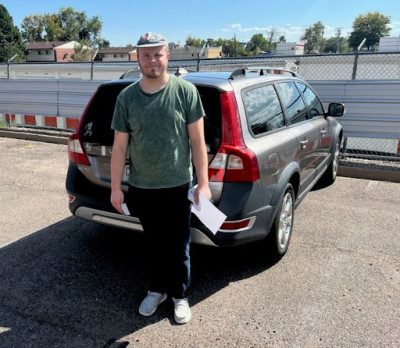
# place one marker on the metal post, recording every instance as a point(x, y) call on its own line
point(344, 147)
point(355, 65)
point(91, 71)
point(356, 58)
point(8, 64)
point(198, 62)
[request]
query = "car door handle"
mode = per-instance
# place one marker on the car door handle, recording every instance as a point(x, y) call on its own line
point(323, 132)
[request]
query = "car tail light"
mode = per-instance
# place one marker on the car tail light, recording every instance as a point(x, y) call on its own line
point(71, 198)
point(238, 225)
point(75, 150)
point(233, 162)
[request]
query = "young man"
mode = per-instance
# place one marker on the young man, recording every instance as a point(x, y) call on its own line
point(160, 119)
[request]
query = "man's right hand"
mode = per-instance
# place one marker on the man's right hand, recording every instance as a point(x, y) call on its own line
point(117, 198)
point(118, 157)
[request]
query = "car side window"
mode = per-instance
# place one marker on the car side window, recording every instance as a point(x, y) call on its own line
point(263, 109)
point(294, 108)
point(313, 103)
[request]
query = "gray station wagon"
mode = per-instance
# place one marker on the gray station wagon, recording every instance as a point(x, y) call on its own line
point(269, 142)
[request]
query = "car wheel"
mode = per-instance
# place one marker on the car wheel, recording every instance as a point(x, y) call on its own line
point(282, 228)
point(329, 177)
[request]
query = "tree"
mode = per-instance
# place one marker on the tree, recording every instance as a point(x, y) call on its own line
point(272, 38)
point(335, 45)
point(66, 25)
point(257, 43)
point(78, 27)
point(314, 38)
point(10, 38)
point(372, 27)
point(32, 28)
point(230, 47)
point(105, 43)
point(194, 42)
point(82, 52)
point(53, 27)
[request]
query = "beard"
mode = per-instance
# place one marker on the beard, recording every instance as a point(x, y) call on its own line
point(151, 73)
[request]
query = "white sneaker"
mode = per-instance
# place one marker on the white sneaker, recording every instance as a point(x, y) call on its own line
point(150, 303)
point(182, 312)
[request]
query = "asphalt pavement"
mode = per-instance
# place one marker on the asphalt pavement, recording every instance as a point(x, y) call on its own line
point(65, 282)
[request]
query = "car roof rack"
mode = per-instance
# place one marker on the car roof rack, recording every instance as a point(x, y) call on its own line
point(263, 70)
point(181, 71)
point(130, 74)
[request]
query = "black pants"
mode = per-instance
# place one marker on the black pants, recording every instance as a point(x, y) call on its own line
point(165, 216)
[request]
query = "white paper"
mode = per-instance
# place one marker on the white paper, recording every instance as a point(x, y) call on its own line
point(207, 212)
point(125, 209)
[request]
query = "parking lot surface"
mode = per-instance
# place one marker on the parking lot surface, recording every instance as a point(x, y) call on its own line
point(65, 282)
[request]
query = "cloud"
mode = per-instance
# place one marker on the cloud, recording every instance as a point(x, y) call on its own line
point(241, 29)
point(291, 32)
point(395, 28)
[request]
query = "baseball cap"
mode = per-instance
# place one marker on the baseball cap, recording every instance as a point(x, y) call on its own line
point(152, 40)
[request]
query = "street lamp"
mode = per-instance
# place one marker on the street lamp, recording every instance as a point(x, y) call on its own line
point(361, 44)
point(12, 58)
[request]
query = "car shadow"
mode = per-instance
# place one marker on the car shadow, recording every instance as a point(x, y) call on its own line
point(77, 283)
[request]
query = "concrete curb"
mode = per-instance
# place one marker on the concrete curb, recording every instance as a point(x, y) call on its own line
point(34, 136)
point(368, 173)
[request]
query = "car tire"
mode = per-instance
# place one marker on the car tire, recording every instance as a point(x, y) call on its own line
point(329, 177)
point(281, 231)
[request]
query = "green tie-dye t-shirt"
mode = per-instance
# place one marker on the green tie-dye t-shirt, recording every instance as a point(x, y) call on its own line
point(159, 147)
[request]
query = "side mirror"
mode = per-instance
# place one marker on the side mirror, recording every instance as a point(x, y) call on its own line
point(336, 109)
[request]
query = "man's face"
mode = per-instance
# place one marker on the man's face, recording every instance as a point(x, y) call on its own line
point(153, 61)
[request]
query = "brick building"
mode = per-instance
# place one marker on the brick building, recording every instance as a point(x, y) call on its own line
point(50, 51)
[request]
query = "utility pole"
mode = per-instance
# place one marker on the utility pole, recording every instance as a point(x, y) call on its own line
point(338, 33)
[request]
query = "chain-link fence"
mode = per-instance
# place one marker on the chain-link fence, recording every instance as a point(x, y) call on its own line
point(311, 67)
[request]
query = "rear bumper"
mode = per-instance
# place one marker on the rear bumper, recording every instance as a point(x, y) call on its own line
point(110, 219)
point(199, 233)
point(92, 203)
point(131, 223)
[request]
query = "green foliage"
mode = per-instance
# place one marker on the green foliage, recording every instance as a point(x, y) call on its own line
point(52, 27)
point(102, 43)
point(335, 45)
point(230, 47)
point(10, 38)
point(66, 25)
point(257, 44)
point(32, 28)
point(314, 38)
point(82, 52)
point(193, 42)
point(371, 26)
point(71, 25)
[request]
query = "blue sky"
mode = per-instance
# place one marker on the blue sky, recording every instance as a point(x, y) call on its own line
point(125, 21)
